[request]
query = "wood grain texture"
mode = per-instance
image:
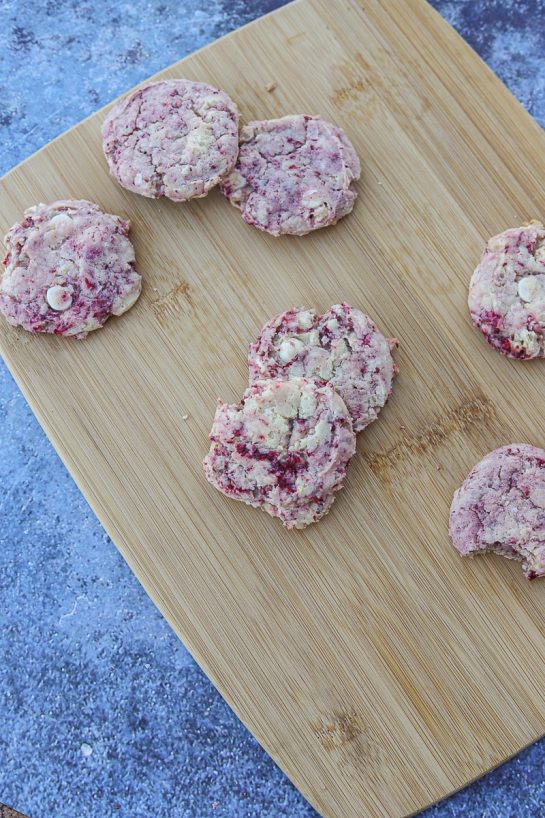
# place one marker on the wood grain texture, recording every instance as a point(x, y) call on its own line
point(379, 669)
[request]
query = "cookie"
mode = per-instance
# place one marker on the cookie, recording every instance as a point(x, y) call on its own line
point(69, 266)
point(343, 347)
point(175, 138)
point(500, 508)
point(285, 448)
point(293, 175)
point(507, 292)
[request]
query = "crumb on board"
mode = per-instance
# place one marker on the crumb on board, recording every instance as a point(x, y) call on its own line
point(402, 427)
point(185, 417)
point(438, 467)
point(271, 86)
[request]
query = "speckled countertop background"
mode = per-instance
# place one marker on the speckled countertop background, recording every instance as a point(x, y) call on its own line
point(103, 712)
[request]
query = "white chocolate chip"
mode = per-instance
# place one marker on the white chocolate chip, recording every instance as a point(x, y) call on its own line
point(138, 179)
point(61, 219)
point(341, 348)
point(332, 324)
point(531, 288)
point(321, 213)
point(59, 228)
point(305, 319)
point(289, 349)
point(58, 298)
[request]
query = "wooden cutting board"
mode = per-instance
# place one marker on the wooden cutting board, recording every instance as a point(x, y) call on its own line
point(377, 668)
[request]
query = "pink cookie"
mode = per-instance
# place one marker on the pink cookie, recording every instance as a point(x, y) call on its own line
point(507, 292)
point(343, 347)
point(285, 448)
point(293, 175)
point(500, 508)
point(174, 138)
point(69, 266)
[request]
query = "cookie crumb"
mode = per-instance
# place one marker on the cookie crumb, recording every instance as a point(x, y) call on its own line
point(271, 86)
point(438, 467)
point(402, 427)
point(185, 417)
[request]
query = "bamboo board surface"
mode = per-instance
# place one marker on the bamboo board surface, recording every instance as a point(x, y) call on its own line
point(377, 668)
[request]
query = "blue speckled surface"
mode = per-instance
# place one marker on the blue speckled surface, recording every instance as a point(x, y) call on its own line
point(102, 711)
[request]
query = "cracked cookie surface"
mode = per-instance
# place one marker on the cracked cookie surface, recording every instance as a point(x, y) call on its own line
point(69, 266)
point(342, 347)
point(507, 292)
point(175, 138)
point(293, 175)
point(500, 508)
point(285, 448)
